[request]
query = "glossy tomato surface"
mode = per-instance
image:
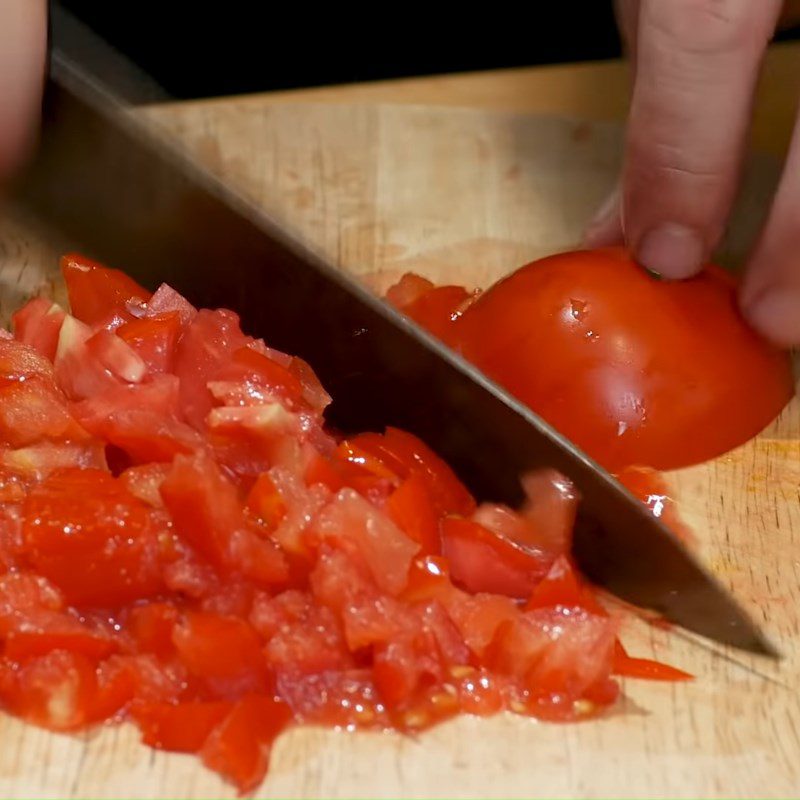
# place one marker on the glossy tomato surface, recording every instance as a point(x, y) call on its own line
point(634, 369)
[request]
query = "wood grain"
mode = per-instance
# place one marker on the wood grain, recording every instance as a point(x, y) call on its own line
point(468, 196)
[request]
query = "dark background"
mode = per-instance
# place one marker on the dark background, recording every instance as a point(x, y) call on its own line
point(234, 46)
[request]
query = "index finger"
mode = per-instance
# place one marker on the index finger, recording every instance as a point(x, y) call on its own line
point(696, 70)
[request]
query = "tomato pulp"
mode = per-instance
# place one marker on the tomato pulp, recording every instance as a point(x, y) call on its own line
point(184, 545)
point(633, 369)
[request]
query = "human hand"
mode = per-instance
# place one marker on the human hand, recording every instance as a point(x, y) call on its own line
point(23, 42)
point(696, 65)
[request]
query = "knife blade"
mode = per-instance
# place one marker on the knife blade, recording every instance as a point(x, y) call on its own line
point(125, 194)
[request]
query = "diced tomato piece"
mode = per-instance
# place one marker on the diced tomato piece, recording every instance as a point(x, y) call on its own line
point(408, 290)
point(302, 637)
point(205, 347)
point(240, 745)
point(249, 440)
point(335, 473)
point(99, 295)
point(38, 324)
point(645, 668)
point(222, 650)
point(559, 655)
point(206, 511)
point(166, 300)
point(258, 558)
point(562, 587)
point(59, 633)
point(117, 356)
point(22, 595)
point(20, 362)
point(313, 391)
point(86, 517)
point(412, 510)
point(482, 561)
point(54, 691)
point(34, 410)
point(79, 373)
point(204, 505)
point(649, 486)
point(179, 727)
point(154, 340)
point(438, 309)
point(368, 617)
point(144, 481)
point(386, 550)
point(270, 379)
point(151, 625)
point(550, 508)
point(266, 503)
point(346, 699)
point(479, 617)
point(37, 462)
point(403, 454)
point(141, 420)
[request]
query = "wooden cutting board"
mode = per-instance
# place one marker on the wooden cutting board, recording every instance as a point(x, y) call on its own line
point(468, 196)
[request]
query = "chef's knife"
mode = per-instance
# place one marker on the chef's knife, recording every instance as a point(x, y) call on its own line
point(120, 191)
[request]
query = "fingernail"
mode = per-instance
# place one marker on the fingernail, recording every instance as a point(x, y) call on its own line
point(672, 250)
point(605, 228)
point(775, 314)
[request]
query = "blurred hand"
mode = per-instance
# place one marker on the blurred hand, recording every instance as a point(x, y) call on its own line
point(23, 42)
point(696, 64)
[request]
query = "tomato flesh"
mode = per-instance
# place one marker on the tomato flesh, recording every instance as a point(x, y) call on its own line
point(183, 544)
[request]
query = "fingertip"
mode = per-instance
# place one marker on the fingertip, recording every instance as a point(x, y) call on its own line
point(672, 250)
point(775, 314)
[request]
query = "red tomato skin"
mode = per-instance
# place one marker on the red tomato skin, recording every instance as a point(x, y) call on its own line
point(411, 508)
point(154, 340)
point(179, 727)
point(482, 561)
point(34, 410)
point(99, 295)
point(240, 745)
point(633, 369)
point(85, 516)
point(645, 668)
point(222, 650)
point(38, 324)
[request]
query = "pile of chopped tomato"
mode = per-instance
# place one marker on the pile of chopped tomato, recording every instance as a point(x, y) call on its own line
point(184, 545)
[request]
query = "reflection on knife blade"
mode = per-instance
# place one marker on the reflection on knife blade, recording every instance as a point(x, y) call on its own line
point(128, 197)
